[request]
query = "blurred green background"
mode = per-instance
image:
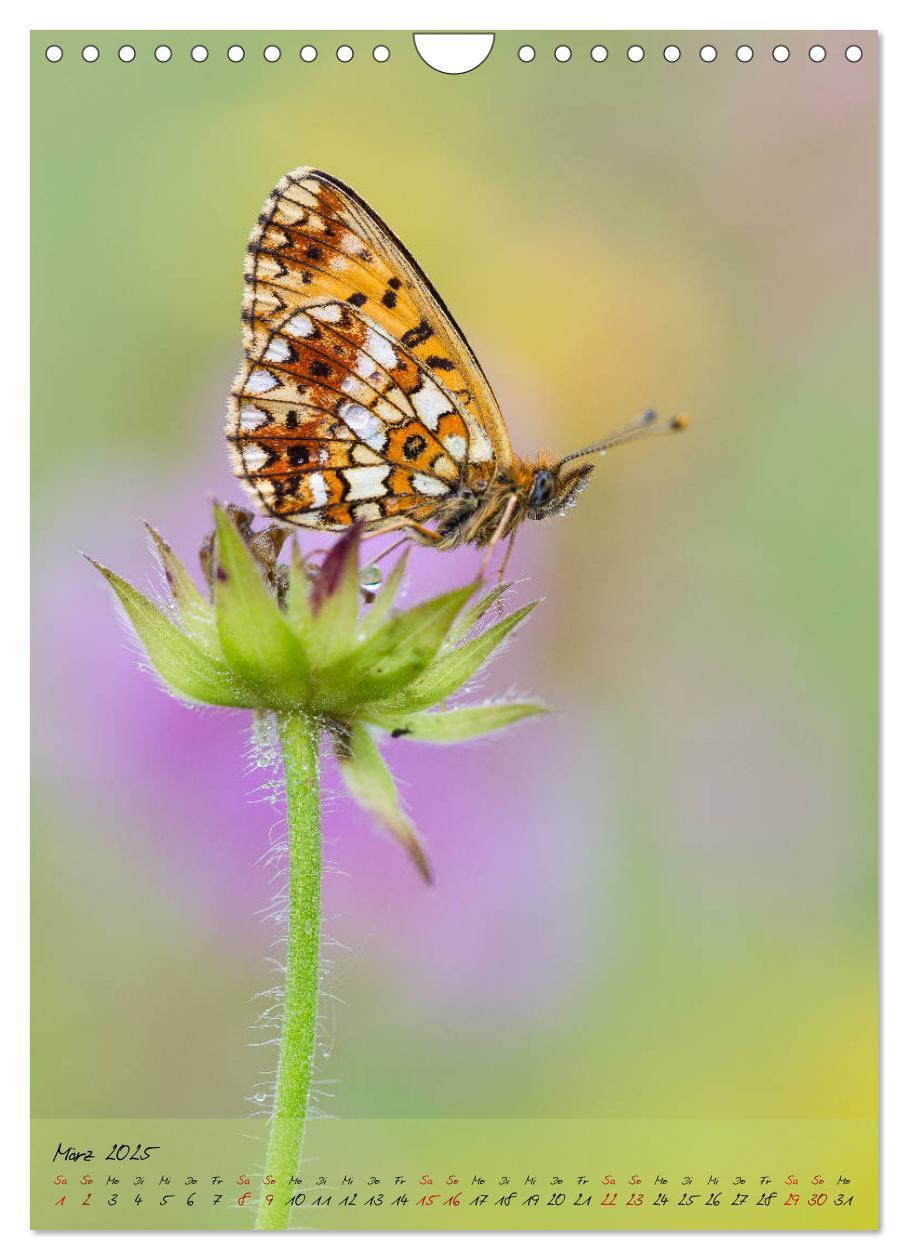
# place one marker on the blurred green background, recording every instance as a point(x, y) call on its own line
point(661, 902)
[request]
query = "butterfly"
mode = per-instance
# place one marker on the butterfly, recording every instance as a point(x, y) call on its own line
point(359, 398)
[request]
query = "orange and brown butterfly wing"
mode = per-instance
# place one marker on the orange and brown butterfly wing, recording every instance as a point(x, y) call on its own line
point(333, 422)
point(359, 398)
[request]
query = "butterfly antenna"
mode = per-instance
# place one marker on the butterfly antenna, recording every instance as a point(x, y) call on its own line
point(644, 426)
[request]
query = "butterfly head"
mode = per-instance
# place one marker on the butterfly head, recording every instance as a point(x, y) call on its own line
point(555, 487)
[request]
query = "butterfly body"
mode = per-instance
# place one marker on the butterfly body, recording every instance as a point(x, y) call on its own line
point(486, 508)
point(359, 398)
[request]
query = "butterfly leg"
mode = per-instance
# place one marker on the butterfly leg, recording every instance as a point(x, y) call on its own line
point(507, 555)
point(404, 523)
point(497, 537)
point(387, 551)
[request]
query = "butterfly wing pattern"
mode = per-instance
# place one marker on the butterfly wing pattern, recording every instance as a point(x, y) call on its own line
point(359, 398)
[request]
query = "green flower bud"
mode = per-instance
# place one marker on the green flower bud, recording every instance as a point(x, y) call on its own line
point(304, 640)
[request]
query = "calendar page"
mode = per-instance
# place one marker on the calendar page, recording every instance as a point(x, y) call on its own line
point(455, 622)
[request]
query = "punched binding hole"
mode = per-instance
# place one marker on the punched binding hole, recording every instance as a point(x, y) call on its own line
point(745, 53)
point(345, 53)
point(780, 53)
point(271, 53)
point(162, 53)
point(526, 52)
point(308, 53)
point(672, 53)
point(635, 53)
point(817, 53)
point(453, 52)
point(562, 53)
point(708, 53)
point(599, 53)
point(53, 53)
point(381, 52)
point(199, 53)
point(236, 52)
point(126, 53)
point(90, 53)
point(854, 52)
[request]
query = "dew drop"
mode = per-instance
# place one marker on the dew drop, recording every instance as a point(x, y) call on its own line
point(370, 579)
point(260, 1098)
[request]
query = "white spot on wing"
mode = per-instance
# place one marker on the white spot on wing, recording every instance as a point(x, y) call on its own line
point(277, 351)
point(300, 325)
point(260, 382)
point(425, 484)
point(267, 268)
point(380, 349)
point(330, 313)
point(318, 488)
point(366, 482)
point(480, 446)
point(254, 456)
point(367, 368)
point(364, 424)
point(252, 417)
point(430, 403)
point(367, 511)
point(456, 445)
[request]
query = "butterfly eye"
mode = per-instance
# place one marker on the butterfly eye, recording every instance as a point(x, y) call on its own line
point(543, 488)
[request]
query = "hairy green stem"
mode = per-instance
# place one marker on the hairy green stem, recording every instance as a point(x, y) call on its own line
point(299, 737)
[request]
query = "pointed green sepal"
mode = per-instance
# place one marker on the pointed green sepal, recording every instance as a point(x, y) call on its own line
point(368, 780)
point(469, 617)
point(334, 597)
point(396, 655)
point(452, 726)
point(196, 614)
point(257, 642)
point(181, 663)
point(453, 668)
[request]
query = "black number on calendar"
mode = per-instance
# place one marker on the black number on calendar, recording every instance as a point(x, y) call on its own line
point(125, 1150)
